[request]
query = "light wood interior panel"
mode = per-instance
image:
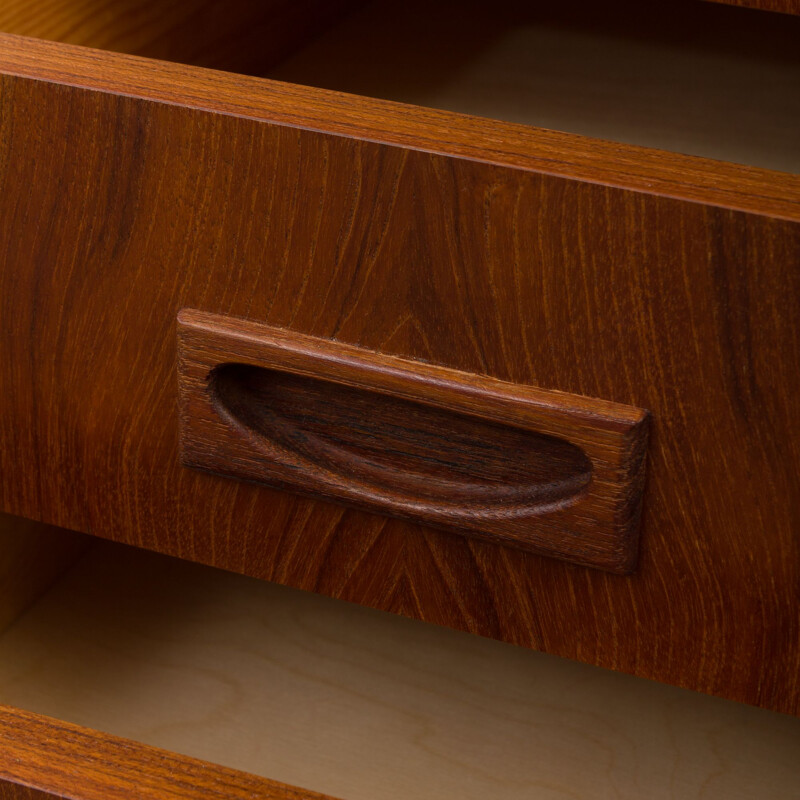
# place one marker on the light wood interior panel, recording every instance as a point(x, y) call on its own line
point(238, 35)
point(364, 705)
point(32, 557)
point(687, 77)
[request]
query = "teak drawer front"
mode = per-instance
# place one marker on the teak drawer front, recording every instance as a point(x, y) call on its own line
point(133, 189)
point(46, 758)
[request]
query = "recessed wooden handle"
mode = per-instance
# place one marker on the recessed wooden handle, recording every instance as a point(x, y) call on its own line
point(541, 470)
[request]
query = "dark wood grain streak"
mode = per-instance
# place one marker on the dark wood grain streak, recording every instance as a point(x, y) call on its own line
point(506, 144)
point(43, 758)
point(546, 471)
point(118, 211)
point(782, 6)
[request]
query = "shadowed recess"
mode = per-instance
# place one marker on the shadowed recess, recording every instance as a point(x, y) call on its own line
point(427, 455)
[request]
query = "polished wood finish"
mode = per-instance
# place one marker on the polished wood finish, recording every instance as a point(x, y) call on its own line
point(742, 188)
point(43, 757)
point(364, 705)
point(240, 35)
point(783, 6)
point(32, 557)
point(428, 236)
point(545, 471)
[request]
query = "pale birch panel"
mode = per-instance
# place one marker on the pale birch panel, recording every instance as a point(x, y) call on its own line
point(364, 705)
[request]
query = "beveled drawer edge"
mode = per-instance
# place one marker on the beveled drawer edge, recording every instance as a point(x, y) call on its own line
point(58, 759)
point(566, 155)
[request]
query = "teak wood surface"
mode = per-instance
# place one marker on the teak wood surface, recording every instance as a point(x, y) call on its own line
point(44, 758)
point(32, 558)
point(414, 128)
point(545, 471)
point(783, 6)
point(132, 189)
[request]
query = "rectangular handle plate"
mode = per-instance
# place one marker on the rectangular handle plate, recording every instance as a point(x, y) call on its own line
point(554, 473)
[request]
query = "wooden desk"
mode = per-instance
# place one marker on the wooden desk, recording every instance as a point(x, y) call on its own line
point(585, 208)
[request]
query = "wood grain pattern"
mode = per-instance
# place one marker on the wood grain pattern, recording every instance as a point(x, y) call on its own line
point(365, 705)
point(247, 36)
point(782, 6)
point(32, 557)
point(545, 471)
point(44, 758)
point(504, 144)
point(118, 211)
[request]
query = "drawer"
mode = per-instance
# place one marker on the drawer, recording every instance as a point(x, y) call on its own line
point(195, 666)
point(617, 221)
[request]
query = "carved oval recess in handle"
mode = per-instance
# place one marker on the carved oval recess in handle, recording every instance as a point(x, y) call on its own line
point(398, 452)
point(540, 470)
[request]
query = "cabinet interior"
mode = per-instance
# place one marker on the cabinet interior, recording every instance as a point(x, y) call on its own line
point(691, 77)
point(357, 703)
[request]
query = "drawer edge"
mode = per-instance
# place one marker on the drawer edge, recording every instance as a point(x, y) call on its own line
point(43, 757)
point(640, 169)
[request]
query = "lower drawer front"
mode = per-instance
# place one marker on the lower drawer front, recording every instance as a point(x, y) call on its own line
point(119, 211)
point(197, 667)
point(49, 636)
point(42, 758)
